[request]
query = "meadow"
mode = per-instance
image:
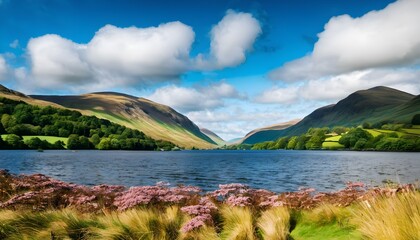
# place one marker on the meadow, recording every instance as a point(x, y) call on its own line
point(39, 207)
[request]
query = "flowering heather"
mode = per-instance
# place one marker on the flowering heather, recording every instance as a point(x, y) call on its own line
point(197, 222)
point(40, 192)
point(238, 201)
point(136, 196)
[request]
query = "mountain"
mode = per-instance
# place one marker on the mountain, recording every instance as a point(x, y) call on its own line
point(213, 136)
point(155, 120)
point(374, 105)
point(260, 134)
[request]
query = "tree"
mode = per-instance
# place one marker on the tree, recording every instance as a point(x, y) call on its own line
point(35, 143)
point(340, 130)
point(416, 119)
point(3, 144)
point(7, 121)
point(301, 141)
point(104, 144)
point(350, 139)
point(366, 125)
point(282, 142)
point(315, 142)
point(95, 139)
point(292, 142)
point(14, 141)
point(62, 132)
point(73, 142)
point(84, 143)
point(360, 144)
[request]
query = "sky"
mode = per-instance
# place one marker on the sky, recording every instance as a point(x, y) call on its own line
point(229, 66)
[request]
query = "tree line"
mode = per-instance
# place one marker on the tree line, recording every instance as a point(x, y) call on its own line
point(83, 132)
point(357, 138)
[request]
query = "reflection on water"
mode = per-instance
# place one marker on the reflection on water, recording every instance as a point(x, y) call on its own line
point(274, 170)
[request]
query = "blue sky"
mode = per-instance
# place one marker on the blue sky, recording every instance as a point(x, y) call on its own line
point(230, 66)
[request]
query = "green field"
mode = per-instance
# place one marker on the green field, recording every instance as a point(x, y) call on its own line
point(415, 131)
point(50, 139)
point(332, 145)
point(333, 139)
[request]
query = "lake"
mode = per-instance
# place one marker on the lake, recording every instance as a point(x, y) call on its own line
point(277, 171)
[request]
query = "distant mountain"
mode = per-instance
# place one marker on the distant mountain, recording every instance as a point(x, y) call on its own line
point(155, 120)
point(234, 141)
point(260, 134)
point(378, 104)
point(213, 136)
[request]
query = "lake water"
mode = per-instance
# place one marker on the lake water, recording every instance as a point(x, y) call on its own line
point(273, 170)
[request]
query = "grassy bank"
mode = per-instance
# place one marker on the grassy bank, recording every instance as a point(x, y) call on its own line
point(397, 217)
point(39, 207)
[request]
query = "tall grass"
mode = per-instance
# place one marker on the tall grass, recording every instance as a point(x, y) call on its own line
point(391, 218)
point(328, 214)
point(238, 223)
point(274, 224)
point(394, 218)
point(141, 224)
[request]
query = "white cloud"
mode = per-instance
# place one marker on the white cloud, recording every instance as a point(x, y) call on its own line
point(3, 68)
point(231, 39)
point(56, 60)
point(14, 44)
point(115, 56)
point(136, 56)
point(279, 95)
point(384, 38)
point(194, 99)
point(332, 89)
point(233, 122)
point(157, 52)
point(340, 86)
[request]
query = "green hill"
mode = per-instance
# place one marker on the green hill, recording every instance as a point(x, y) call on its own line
point(260, 134)
point(375, 105)
point(155, 120)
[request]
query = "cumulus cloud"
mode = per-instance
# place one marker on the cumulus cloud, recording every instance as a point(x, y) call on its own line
point(231, 39)
point(194, 99)
point(384, 38)
point(137, 56)
point(334, 88)
point(56, 60)
point(114, 56)
point(279, 95)
point(155, 52)
point(3, 68)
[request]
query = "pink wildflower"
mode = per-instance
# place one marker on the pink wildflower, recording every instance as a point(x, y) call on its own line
point(197, 222)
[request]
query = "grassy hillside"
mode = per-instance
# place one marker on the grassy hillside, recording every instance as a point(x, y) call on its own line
point(213, 136)
point(261, 134)
point(155, 120)
point(375, 105)
point(23, 123)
